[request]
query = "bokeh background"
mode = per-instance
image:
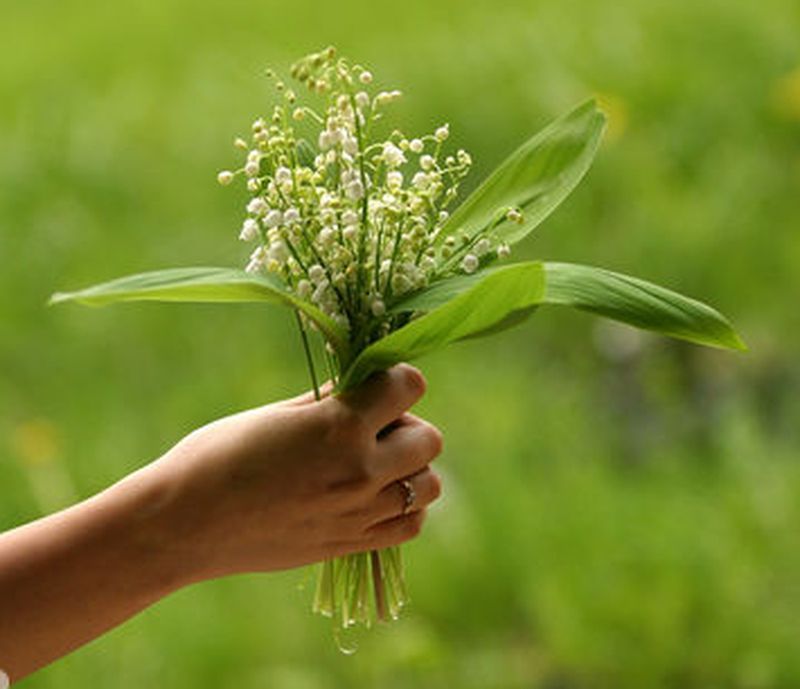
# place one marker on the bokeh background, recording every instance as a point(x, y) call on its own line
point(620, 511)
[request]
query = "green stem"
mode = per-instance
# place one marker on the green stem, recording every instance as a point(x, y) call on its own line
point(332, 367)
point(309, 358)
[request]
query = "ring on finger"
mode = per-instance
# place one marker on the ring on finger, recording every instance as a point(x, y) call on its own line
point(409, 495)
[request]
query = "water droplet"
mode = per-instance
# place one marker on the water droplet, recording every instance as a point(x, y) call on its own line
point(347, 639)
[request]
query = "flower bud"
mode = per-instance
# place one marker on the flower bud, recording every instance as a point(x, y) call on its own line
point(362, 99)
point(257, 206)
point(470, 263)
point(421, 181)
point(428, 264)
point(377, 307)
point(355, 190)
point(350, 145)
point(225, 177)
point(514, 215)
point(392, 155)
point(249, 230)
point(400, 283)
point(326, 235)
point(482, 246)
point(316, 273)
point(278, 251)
point(325, 140)
point(394, 180)
point(442, 132)
point(273, 218)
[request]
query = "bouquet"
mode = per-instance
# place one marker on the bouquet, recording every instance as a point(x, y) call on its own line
point(353, 229)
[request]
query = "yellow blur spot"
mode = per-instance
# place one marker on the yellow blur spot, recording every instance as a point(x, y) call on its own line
point(37, 444)
point(36, 441)
point(786, 96)
point(616, 109)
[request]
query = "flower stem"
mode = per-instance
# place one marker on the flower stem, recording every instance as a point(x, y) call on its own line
point(378, 585)
point(309, 358)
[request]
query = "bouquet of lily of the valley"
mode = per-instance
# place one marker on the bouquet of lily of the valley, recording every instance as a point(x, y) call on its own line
point(352, 228)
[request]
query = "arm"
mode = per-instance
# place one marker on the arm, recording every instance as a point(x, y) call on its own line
point(267, 489)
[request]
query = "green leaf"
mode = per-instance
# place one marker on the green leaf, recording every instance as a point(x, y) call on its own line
point(204, 285)
point(305, 153)
point(537, 177)
point(439, 292)
point(487, 301)
point(638, 303)
point(599, 291)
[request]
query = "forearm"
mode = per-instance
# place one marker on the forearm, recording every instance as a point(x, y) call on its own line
point(67, 578)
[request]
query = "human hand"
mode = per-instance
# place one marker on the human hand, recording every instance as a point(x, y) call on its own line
point(298, 481)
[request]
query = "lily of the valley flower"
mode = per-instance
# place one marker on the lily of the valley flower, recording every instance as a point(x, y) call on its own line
point(352, 225)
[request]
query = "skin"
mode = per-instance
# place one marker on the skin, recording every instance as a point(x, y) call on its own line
point(267, 489)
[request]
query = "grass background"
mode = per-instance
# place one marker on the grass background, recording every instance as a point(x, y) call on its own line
point(620, 511)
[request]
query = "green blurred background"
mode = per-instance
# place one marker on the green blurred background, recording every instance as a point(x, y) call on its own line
point(620, 511)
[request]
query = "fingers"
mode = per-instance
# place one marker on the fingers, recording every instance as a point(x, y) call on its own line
point(390, 503)
point(395, 531)
point(406, 449)
point(385, 396)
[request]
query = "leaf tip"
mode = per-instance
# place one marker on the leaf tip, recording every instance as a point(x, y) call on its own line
point(57, 298)
point(738, 344)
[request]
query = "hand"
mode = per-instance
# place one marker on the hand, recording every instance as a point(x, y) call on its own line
point(270, 488)
point(298, 481)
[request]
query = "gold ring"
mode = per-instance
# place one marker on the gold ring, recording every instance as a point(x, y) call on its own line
point(410, 495)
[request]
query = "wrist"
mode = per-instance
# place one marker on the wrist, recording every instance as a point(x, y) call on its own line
point(141, 509)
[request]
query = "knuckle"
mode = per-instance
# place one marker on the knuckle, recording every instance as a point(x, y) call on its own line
point(413, 379)
point(412, 526)
point(360, 477)
point(352, 487)
point(360, 473)
point(434, 438)
point(435, 486)
point(346, 426)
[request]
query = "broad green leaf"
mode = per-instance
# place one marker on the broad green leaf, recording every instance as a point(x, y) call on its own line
point(204, 285)
point(439, 292)
point(603, 292)
point(512, 320)
point(442, 291)
point(537, 177)
point(638, 303)
point(488, 301)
